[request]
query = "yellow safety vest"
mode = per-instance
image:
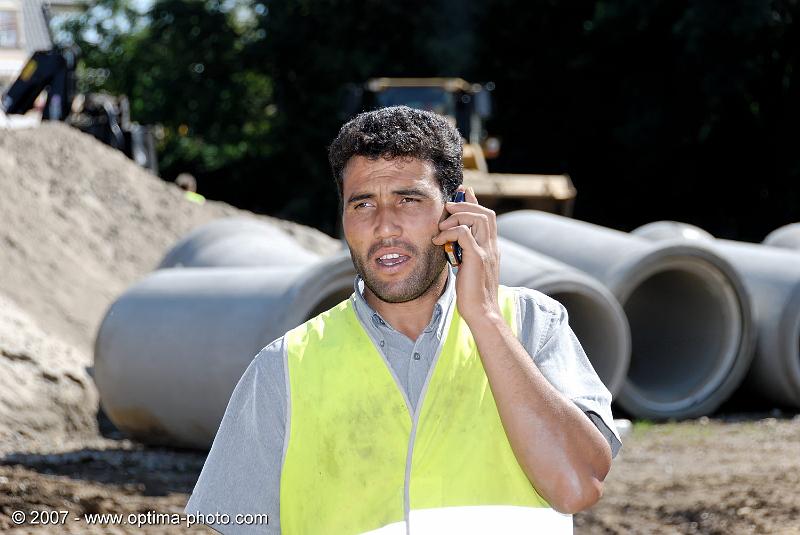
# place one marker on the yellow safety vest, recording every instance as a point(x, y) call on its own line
point(357, 460)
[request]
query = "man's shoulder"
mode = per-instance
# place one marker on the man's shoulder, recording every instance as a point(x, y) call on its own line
point(270, 355)
point(528, 298)
point(538, 314)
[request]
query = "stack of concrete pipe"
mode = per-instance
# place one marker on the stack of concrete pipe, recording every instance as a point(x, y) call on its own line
point(664, 315)
point(772, 278)
point(172, 347)
point(689, 314)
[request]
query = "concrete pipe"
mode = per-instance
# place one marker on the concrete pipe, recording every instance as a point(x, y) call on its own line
point(772, 278)
point(237, 242)
point(786, 237)
point(594, 314)
point(171, 349)
point(689, 315)
point(671, 230)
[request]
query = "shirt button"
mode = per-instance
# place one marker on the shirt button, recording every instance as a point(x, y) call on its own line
point(383, 343)
point(416, 356)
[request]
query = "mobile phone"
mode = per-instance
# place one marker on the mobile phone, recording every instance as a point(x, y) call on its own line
point(452, 249)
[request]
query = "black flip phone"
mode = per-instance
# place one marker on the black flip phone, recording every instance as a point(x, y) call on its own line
point(452, 249)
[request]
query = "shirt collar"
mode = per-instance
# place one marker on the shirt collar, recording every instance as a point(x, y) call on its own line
point(442, 304)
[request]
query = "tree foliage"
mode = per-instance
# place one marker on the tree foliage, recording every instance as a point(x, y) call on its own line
point(183, 66)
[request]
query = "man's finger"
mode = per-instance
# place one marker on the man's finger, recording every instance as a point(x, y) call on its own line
point(468, 207)
point(454, 207)
point(461, 234)
point(469, 195)
point(479, 224)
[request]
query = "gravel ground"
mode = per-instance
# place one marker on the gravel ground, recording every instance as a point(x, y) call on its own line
point(736, 475)
point(715, 476)
point(98, 476)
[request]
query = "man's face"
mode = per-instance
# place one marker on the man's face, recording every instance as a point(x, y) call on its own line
point(393, 207)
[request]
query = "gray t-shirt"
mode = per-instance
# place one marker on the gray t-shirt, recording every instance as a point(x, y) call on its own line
point(242, 472)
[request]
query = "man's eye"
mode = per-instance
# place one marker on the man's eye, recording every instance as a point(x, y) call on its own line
point(412, 199)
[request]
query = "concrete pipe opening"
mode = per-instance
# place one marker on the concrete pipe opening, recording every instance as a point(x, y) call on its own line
point(690, 317)
point(600, 325)
point(686, 335)
point(772, 279)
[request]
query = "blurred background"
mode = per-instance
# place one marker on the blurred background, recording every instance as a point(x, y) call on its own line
point(619, 113)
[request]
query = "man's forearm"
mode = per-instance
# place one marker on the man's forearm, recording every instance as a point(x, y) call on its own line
point(560, 450)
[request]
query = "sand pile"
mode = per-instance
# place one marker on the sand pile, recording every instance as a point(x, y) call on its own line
point(45, 388)
point(80, 222)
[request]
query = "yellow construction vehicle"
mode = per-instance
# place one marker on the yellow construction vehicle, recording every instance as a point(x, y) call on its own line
point(468, 106)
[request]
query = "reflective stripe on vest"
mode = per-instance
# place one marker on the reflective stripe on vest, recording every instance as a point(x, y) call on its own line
point(480, 520)
point(356, 459)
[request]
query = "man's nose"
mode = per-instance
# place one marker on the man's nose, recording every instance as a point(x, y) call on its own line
point(386, 224)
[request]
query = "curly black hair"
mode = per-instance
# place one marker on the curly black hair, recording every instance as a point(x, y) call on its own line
point(400, 131)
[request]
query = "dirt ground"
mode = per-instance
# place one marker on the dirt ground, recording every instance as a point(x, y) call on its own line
point(714, 476)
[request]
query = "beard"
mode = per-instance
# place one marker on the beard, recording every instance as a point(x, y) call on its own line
point(428, 266)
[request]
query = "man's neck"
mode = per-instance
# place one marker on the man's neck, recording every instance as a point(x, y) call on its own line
point(411, 317)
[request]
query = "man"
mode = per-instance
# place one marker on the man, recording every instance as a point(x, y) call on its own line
point(427, 402)
point(188, 183)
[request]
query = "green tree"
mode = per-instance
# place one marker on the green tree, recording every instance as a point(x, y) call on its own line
point(182, 66)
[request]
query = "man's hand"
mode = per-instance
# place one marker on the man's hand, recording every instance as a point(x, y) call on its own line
point(474, 227)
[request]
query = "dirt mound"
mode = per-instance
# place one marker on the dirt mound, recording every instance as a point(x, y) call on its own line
point(45, 387)
point(79, 222)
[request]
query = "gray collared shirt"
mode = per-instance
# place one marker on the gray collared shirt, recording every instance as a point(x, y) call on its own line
point(242, 472)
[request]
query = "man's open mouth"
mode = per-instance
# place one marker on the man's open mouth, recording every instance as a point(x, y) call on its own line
point(392, 259)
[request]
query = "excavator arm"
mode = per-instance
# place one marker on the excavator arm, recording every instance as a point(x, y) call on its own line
point(52, 70)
